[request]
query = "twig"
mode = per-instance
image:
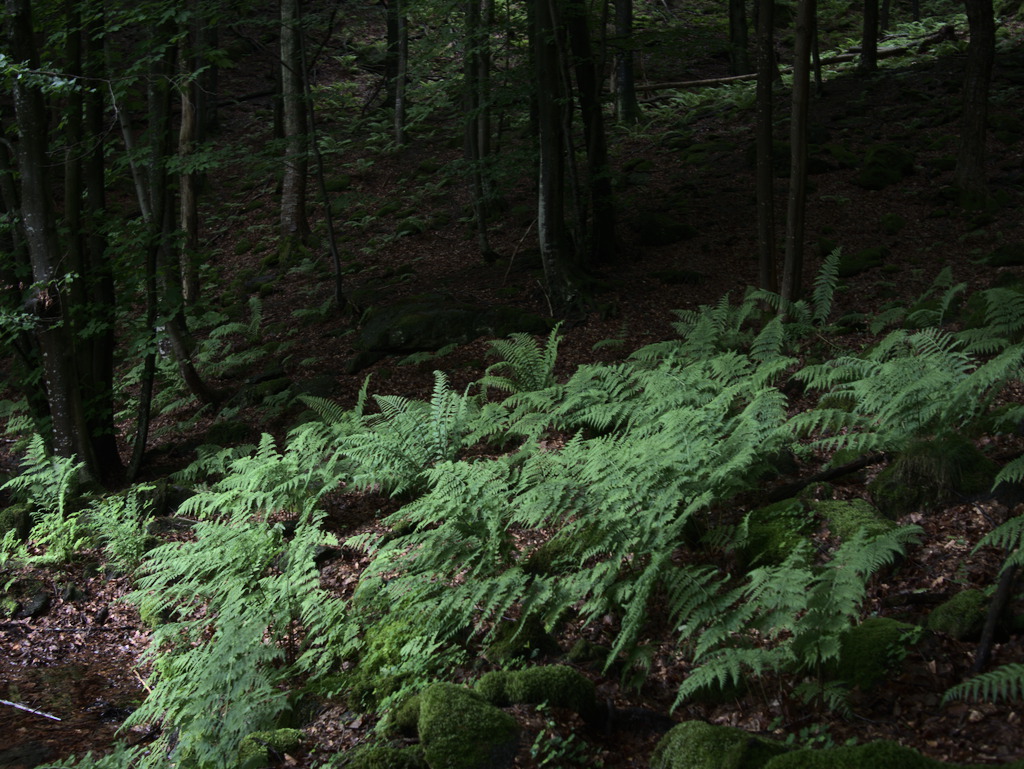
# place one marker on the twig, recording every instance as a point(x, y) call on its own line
point(143, 682)
point(27, 709)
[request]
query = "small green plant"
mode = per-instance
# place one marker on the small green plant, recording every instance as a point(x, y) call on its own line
point(552, 748)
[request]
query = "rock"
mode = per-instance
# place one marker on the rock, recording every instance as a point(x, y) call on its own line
point(869, 650)
point(961, 617)
point(432, 321)
point(559, 686)
point(1007, 255)
point(461, 730)
point(884, 164)
point(862, 261)
point(773, 533)
point(873, 755)
point(35, 605)
point(658, 228)
point(385, 757)
point(699, 745)
point(17, 517)
point(258, 748)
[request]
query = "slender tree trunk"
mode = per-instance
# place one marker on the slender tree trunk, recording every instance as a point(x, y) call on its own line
point(602, 245)
point(739, 55)
point(50, 304)
point(793, 267)
point(970, 161)
point(551, 100)
point(188, 180)
point(477, 127)
point(402, 72)
point(765, 141)
point(294, 227)
point(627, 110)
point(869, 38)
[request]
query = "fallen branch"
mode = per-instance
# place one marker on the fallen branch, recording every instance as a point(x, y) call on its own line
point(919, 45)
point(792, 489)
point(28, 709)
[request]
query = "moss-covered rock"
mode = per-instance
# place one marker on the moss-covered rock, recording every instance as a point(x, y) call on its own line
point(259, 748)
point(1007, 255)
point(17, 517)
point(658, 228)
point(432, 321)
point(873, 755)
point(699, 745)
point(774, 532)
point(870, 650)
point(461, 730)
point(386, 757)
point(930, 473)
point(847, 517)
point(861, 261)
point(884, 164)
point(961, 617)
point(521, 640)
point(559, 686)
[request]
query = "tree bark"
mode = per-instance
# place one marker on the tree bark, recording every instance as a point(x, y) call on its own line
point(601, 233)
point(627, 110)
point(552, 103)
point(294, 224)
point(478, 127)
point(793, 267)
point(767, 271)
point(970, 162)
point(869, 38)
point(50, 303)
point(739, 56)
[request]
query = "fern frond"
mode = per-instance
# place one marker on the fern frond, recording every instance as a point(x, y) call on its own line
point(824, 287)
point(1004, 683)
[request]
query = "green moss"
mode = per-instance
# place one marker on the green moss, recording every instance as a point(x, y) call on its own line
point(930, 473)
point(871, 649)
point(848, 517)
point(17, 517)
point(892, 223)
point(385, 757)
point(259, 747)
point(557, 685)
point(774, 532)
point(699, 745)
point(961, 617)
point(656, 228)
point(521, 640)
point(884, 164)
point(460, 730)
point(378, 673)
point(873, 755)
point(1007, 255)
point(493, 687)
point(862, 261)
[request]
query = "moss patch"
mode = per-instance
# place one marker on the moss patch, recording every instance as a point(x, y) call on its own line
point(699, 745)
point(386, 757)
point(930, 473)
point(774, 532)
point(460, 730)
point(876, 755)
point(848, 517)
point(869, 651)
point(259, 747)
point(961, 617)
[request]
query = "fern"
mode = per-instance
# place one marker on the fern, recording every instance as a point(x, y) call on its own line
point(825, 286)
point(1004, 683)
point(525, 366)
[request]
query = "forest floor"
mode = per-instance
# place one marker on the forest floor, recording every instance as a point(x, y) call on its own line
point(78, 661)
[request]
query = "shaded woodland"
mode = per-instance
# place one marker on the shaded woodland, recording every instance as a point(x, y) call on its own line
point(566, 384)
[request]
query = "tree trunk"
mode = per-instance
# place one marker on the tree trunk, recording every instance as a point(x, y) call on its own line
point(188, 180)
point(869, 38)
point(739, 57)
point(50, 304)
point(477, 127)
point(294, 226)
point(793, 267)
point(765, 166)
point(601, 233)
point(627, 110)
point(970, 161)
point(551, 120)
point(402, 72)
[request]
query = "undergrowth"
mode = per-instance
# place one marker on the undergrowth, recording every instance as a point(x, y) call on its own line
point(593, 500)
